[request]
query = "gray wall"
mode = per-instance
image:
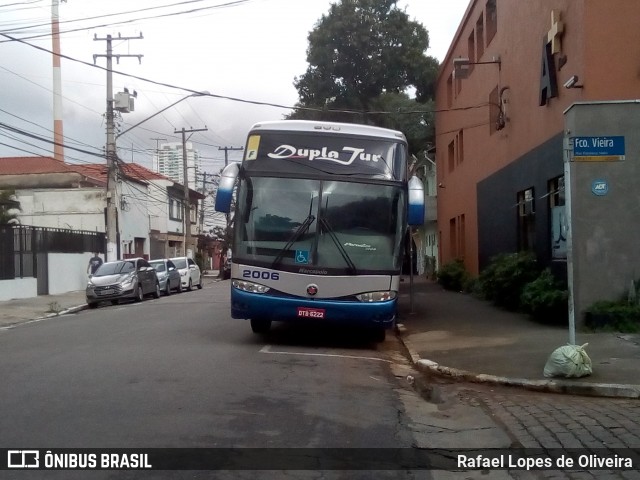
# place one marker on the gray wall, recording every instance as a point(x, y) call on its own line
point(603, 254)
point(497, 198)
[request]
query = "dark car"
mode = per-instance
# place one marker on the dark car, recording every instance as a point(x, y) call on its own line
point(168, 275)
point(226, 269)
point(132, 278)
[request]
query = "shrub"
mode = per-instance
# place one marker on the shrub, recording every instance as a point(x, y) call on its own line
point(546, 298)
point(199, 259)
point(619, 316)
point(453, 276)
point(503, 281)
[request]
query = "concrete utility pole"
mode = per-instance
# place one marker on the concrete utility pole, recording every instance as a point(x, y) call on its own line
point(226, 162)
point(156, 163)
point(204, 189)
point(187, 205)
point(226, 151)
point(112, 229)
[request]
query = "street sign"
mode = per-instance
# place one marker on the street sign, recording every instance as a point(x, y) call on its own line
point(598, 149)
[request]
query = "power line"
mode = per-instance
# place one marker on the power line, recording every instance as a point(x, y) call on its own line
point(171, 14)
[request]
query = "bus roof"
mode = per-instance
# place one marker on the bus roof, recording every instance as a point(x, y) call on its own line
point(335, 127)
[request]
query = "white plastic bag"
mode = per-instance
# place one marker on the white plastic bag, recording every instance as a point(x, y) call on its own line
point(569, 361)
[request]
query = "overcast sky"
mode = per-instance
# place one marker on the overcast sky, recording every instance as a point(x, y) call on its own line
point(246, 50)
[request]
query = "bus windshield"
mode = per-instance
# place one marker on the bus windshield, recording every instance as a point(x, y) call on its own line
point(319, 226)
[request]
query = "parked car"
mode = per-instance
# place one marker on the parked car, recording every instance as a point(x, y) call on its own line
point(132, 278)
point(168, 275)
point(189, 272)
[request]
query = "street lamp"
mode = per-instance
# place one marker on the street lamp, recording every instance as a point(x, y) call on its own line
point(197, 94)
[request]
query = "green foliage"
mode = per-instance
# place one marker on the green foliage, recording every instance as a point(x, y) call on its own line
point(546, 298)
point(363, 55)
point(199, 259)
point(363, 48)
point(418, 126)
point(503, 281)
point(614, 315)
point(453, 275)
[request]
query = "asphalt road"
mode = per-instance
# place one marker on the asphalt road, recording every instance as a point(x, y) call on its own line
point(179, 372)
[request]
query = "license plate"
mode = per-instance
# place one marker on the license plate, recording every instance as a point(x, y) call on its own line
point(306, 312)
point(105, 292)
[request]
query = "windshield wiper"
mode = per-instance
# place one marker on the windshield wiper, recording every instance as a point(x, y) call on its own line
point(325, 224)
point(304, 226)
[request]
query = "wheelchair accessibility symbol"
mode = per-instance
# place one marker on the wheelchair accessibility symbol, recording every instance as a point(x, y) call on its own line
point(302, 256)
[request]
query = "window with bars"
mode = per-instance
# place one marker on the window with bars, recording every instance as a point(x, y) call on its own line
point(526, 207)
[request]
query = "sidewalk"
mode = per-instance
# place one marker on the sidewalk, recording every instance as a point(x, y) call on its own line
point(18, 311)
point(458, 335)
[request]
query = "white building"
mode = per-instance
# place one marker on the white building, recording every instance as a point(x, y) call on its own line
point(168, 162)
point(54, 194)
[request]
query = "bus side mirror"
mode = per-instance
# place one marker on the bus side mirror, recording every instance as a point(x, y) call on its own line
point(415, 215)
point(225, 187)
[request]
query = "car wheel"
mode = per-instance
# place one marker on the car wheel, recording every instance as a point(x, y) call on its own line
point(167, 290)
point(92, 305)
point(190, 286)
point(260, 325)
point(200, 284)
point(114, 302)
point(156, 292)
point(139, 294)
point(378, 334)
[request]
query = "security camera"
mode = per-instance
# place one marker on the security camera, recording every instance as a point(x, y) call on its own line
point(571, 83)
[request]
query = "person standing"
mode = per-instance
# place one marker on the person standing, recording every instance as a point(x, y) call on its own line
point(94, 263)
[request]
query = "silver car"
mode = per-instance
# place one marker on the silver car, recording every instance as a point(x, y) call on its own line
point(168, 275)
point(132, 278)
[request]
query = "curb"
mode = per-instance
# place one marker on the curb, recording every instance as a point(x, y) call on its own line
point(550, 386)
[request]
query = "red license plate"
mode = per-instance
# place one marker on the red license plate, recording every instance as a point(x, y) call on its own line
point(306, 312)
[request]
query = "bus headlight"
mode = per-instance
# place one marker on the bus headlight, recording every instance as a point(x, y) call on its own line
point(377, 296)
point(249, 286)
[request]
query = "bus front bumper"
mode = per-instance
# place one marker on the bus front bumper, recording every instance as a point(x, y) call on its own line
point(247, 305)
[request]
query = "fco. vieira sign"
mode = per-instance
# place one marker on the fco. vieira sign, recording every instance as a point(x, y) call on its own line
point(598, 149)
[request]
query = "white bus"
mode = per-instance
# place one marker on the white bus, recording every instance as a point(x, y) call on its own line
point(320, 221)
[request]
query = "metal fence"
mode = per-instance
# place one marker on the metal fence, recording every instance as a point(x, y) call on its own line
point(21, 246)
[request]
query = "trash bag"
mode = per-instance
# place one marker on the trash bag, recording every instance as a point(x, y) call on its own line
point(569, 361)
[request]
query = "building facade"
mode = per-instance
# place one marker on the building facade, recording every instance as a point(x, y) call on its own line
point(168, 162)
point(513, 69)
point(150, 221)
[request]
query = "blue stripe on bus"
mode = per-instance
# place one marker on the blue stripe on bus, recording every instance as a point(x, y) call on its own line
point(253, 305)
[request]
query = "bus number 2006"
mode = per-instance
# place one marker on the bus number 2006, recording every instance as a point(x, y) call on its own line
point(257, 274)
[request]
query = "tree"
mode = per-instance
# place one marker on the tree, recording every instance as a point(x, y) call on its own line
point(360, 52)
point(9, 207)
point(415, 120)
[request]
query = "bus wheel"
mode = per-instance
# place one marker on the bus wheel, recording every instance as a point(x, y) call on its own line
point(260, 325)
point(378, 334)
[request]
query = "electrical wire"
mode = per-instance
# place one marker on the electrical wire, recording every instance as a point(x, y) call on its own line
point(122, 22)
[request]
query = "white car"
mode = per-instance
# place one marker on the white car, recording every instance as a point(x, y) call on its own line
point(189, 272)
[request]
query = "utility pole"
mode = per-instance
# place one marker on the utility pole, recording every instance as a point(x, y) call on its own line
point(204, 189)
point(187, 205)
point(227, 217)
point(226, 151)
point(112, 229)
point(156, 163)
